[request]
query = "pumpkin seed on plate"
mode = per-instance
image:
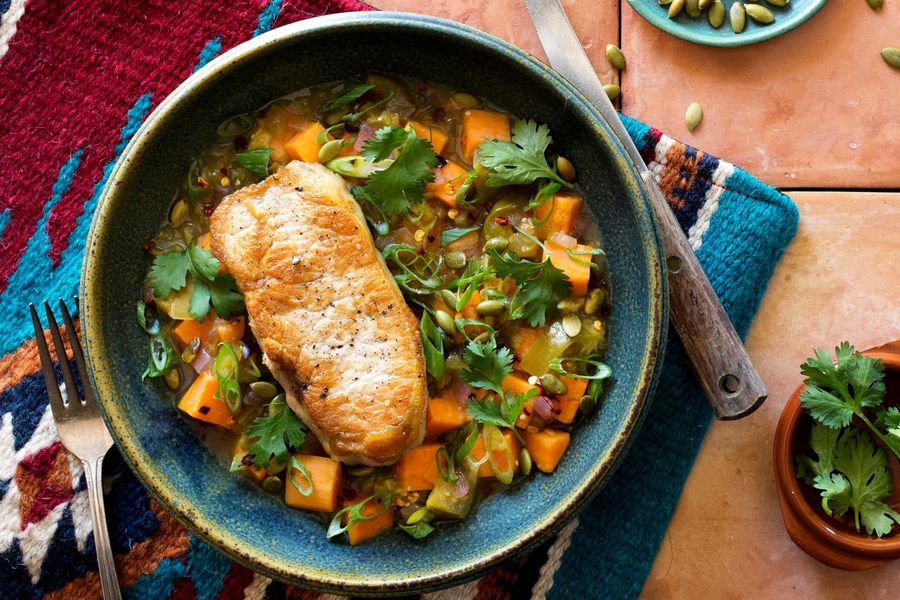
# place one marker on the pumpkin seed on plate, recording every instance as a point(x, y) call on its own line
point(704, 4)
point(716, 14)
point(615, 56)
point(612, 90)
point(665, 2)
point(760, 14)
point(178, 212)
point(566, 168)
point(525, 461)
point(449, 298)
point(496, 243)
point(875, 4)
point(465, 100)
point(593, 302)
point(455, 260)
point(264, 389)
point(490, 308)
point(272, 484)
point(891, 56)
point(553, 384)
point(693, 116)
point(571, 304)
point(571, 324)
point(445, 321)
point(779, 2)
point(173, 379)
point(738, 17)
point(587, 405)
point(329, 150)
point(675, 8)
point(692, 8)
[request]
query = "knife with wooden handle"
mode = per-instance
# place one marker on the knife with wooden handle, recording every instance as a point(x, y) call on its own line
point(728, 378)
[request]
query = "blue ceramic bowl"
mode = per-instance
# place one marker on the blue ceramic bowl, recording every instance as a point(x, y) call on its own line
point(700, 31)
point(234, 515)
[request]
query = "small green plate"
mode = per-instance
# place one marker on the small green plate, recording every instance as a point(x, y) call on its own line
point(700, 31)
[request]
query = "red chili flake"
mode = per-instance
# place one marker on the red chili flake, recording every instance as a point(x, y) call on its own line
point(224, 170)
point(439, 114)
point(147, 247)
point(208, 209)
point(247, 460)
point(420, 250)
point(201, 183)
point(501, 220)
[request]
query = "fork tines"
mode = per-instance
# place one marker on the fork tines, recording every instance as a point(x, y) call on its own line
point(61, 398)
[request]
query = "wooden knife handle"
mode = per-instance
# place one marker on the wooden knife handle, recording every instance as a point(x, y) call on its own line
point(728, 378)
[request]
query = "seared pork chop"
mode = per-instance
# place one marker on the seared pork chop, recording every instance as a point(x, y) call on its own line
point(332, 323)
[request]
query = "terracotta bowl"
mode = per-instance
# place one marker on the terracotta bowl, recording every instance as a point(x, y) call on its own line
point(815, 534)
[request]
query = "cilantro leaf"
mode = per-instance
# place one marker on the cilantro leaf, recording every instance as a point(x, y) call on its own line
point(274, 436)
point(521, 161)
point(835, 493)
point(486, 365)
point(889, 420)
point(354, 93)
point(540, 286)
point(823, 441)
point(502, 413)
point(393, 189)
point(835, 393)
point(169, 273)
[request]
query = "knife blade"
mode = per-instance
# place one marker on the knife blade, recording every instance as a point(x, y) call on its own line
point(729, 380)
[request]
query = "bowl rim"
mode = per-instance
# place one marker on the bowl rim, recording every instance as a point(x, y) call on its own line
point(317, 578)
point(785, 478)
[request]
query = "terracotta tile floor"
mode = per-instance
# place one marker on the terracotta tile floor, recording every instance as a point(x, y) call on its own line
point(814, 109)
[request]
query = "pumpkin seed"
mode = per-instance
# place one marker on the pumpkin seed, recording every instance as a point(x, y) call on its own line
point(612, 90)
point(553, 384)
point(665, 2)
point(782, 2)
point(875, 4)
point(571, 304)
point(716, 14)
point(594, 300)
point(692, 8)
point(490, 308)
point(693, 116)
point(615, 56)
point(675, 7)
point(445, 321)
point(525, 461)
point(178, 212)
point(566, 168)
point(760, 14)
point(571, 324)
point(496, 243)
point(264, 389)
point(891, 56)
point(455, 260)
point(738, 17)
point(449, 298)
point(465, 100)
point(173, 379)
point(360, 470)
point(422, 514)
point(462, 219)
point(272, 484)
point(704, 4)
point(587, 405)
point(482, 337)
point(329, 150)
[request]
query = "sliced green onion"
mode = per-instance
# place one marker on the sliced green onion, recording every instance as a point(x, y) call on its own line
point(162, 357)
point(150, 325)
point(357, 166)
point(544, 193)
point(494, 443)
point(353, 117)
point(463, 190)
point(236, 125)
point(346, 98)
point(191, 185)
point(445, 466)
point(421, 269)
point(295, 463)
point(354, 513)
point(532, 238)
point(433, 346)
point(226, 370)
point(323, 135)
point(571, 252)
point(419, 530)
point(255, 161)
point(449, 236)
point(469, 435)
point(602, 370)
point(463, 322)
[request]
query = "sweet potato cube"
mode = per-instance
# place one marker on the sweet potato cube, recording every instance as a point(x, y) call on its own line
point(303, 145)
point(365, 530)
point(558, 214)
point(326, 482)
point(481, 125)
point(447, 181)
point(200, 402)
point(189, 329)
point(431, 133)
point(519, 385)
point(417, 469)
point(579, 274)
point(568, 402)
point(546, 447)
point(444, 414)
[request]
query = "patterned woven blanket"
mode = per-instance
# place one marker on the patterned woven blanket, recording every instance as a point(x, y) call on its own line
point(77, 80)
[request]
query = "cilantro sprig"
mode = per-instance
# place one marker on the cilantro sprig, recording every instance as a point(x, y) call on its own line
point(486, 365)
point(403, 182)
point(521, 161)
point(540, 286)
point(502, 413)
point(169, 273)
point(273, 436)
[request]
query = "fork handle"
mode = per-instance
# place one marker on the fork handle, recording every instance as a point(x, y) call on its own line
point(92, 475)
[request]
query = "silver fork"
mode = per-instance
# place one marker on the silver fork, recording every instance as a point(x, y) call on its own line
point(81, 430)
